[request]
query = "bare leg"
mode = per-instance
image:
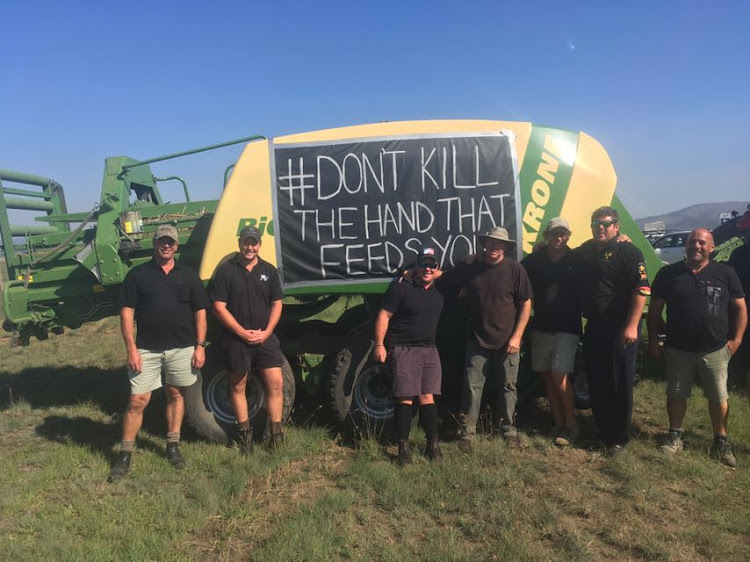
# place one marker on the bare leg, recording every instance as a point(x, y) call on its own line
point(133, 419)
point(175, 408)
point(676, 412)
point(237, 395)
point(275, 393)
point(719, 413)
point(566, 396)
point(553, 395)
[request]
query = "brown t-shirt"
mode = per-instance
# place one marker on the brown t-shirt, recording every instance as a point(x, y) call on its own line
point(495, 293)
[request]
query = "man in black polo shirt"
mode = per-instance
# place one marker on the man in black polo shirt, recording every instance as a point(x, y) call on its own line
point(246, 293)
point(405, 340)
point(614, 289)
point(706, 317)
point(168, 303)
point(499, 300)
point(556, 324)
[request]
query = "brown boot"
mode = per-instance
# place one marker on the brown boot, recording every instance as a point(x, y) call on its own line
point(404, 452)
point(245, 439)
point(433, 451)
point(277, 435)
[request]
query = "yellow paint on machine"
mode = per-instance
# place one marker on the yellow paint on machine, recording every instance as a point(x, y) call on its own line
point(249, 191)
point(592, 185)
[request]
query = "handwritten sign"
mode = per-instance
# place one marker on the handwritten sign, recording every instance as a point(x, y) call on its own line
point(360, 210)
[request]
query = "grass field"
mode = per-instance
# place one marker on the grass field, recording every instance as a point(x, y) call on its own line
point(317, 500)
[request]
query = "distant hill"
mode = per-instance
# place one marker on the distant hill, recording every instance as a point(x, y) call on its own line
point(705, 214)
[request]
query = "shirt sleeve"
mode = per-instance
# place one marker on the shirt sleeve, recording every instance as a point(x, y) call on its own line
point(392, 297)
point(198, 296)
point(129, 290)
point(634, 269)
point(523, 286)
point(277, 293)
point(219, 285)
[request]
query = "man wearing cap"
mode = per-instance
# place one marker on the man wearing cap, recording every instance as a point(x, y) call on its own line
point(614, 287)
point(706, 317)
point(168, 303)
point(556, 324)
point(499, 301)
point(405, 340)
point(246, 293)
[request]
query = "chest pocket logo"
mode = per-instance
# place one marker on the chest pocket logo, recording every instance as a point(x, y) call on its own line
point(263, 277)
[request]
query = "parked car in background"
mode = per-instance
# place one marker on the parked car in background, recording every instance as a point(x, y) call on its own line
point(671, 247)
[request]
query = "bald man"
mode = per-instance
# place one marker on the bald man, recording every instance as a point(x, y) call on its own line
point(706, 317)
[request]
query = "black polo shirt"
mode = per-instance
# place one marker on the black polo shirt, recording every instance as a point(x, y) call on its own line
point(164, 304)
point(416, 312)
point(697, 304)
point(608, 279)
point(556, 285)
point(740, 261)
point(495, 294)
point(248, 294)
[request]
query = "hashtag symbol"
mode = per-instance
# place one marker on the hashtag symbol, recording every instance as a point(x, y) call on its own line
point(295, 182)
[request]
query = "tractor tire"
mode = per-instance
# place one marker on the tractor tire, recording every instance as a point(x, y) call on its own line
point(581, 388)
point(360, 389)
point(209, 408)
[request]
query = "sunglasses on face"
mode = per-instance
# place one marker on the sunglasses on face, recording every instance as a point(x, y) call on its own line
point(427, 265)
point(605, 224)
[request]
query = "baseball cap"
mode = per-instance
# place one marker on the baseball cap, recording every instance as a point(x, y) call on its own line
point(427, 256)
point(249, 232)
point(168, 231)
point(557, 222)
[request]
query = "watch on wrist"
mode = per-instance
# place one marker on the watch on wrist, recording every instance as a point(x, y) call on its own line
point(203, 343)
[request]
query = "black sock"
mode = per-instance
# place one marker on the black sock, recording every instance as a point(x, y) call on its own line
point(403, 421)
point(428, 415)
point(720, 438)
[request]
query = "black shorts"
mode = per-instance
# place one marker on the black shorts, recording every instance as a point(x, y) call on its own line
point(243, 357)
point(415, 370)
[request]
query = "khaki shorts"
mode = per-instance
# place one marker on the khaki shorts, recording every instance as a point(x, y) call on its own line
point(553, 351)
point(711, 369)
point(177, 366)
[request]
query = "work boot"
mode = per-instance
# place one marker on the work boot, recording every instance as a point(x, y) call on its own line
point(404, 452)
point(673, 444)
point(615, 450)
point(510, 435)
point(466, 444)
point(245, 440)
point(174, 457)
point(121, 466)
point(277, 435)
point(432, 451)
point(722, 451)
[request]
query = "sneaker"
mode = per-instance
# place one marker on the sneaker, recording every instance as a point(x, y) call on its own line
point(404, 453)
point(722, 451)
point(673, 444)
point(245, 437)
point(567, 437)
point(174, 457)
point(432, 451)
point(121, 466)
point(615, 450)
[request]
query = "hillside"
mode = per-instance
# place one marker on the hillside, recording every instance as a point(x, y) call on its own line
point(705, 214)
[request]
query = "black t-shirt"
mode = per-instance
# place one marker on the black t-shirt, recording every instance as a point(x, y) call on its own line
point(164, 304)
point(697, 304)
point(555, 284)
point(609, 278)
point(416, 312)
point(740, 261)
point(495, 294)
point(248, 294)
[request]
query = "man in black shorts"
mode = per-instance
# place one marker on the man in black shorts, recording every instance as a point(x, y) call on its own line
point(405, 340)
point(246, 293)
point(168, 302)
point(706, 317)
point(614, 289)
point(740, 261)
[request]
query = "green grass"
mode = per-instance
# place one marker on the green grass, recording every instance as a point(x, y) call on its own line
point(60, 403)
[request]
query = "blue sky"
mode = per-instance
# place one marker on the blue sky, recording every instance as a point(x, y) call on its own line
point(664, 86)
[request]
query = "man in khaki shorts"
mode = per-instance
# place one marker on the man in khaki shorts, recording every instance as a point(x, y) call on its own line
point(168, 302)
point(706, 317)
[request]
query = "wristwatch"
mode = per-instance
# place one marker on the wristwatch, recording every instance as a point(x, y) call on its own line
point(203, 343)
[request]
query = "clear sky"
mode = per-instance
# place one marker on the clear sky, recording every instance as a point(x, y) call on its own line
point(664, 86)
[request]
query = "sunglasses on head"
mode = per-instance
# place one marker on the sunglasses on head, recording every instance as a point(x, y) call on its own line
point(605, 224)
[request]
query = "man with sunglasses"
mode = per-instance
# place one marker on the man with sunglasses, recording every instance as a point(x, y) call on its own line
point(246, 293)
point(168, 303)
point(405, 331)
point(706, 318)
point(614, 288)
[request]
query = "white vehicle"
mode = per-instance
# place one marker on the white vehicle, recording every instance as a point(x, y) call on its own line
point(671, 247)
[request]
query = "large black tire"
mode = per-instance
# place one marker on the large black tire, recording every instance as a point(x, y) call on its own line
point(360, 389)
point(580, 382)
point(209, 409)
